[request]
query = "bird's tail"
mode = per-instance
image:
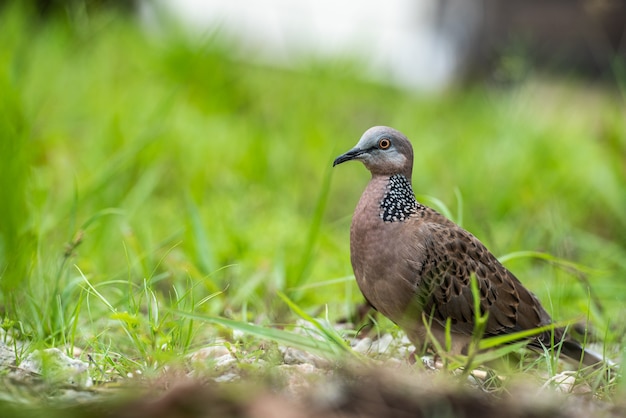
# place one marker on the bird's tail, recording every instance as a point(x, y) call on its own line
point(576, 353)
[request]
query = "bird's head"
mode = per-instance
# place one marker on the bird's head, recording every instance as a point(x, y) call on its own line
point(383, 150)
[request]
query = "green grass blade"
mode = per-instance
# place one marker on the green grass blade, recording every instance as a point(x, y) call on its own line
point(436, 204)
point(314, 230)
point(492, 342)
point(329, 333)
point(203, 246)
point(549, 258)
point(320, 347)
point(323, 283)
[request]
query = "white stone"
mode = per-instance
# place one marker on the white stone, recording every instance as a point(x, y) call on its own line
point(56, 367)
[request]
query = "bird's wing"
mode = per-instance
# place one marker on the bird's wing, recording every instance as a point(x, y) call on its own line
point(450, 256)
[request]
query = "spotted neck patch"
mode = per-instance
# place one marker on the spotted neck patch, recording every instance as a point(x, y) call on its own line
point(398, 203)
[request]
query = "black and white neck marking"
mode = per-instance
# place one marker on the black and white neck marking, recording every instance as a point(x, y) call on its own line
point(399, 203)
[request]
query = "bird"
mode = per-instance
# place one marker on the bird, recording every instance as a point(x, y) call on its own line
point(415, 266)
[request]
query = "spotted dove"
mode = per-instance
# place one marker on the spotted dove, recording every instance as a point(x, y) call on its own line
point(414, 265)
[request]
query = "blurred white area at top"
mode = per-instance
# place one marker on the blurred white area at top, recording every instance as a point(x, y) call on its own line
point(396, 40)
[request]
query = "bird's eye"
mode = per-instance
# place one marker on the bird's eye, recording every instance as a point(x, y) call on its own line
point(384, 143)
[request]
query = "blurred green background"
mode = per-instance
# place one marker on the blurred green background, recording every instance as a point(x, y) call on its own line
point(144, 171)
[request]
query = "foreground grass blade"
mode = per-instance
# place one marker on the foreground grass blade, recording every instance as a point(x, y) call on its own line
point(302, 342)
point(510, 338)
point(549, 258)
point(327, 332)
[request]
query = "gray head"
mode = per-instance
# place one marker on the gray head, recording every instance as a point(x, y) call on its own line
point(384, 151)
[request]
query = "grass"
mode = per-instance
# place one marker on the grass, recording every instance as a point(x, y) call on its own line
point(158, 193)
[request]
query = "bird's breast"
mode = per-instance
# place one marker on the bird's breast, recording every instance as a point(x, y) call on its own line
point(383, 256)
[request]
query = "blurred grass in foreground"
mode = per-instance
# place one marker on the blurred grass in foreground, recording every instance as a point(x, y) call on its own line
point(143, 174)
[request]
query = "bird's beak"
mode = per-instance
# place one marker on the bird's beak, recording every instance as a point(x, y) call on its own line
point(350, 155)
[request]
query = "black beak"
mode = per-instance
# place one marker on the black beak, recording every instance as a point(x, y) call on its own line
point(350, 155)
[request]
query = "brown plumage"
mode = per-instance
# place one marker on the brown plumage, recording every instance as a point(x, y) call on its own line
point(411, 262)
